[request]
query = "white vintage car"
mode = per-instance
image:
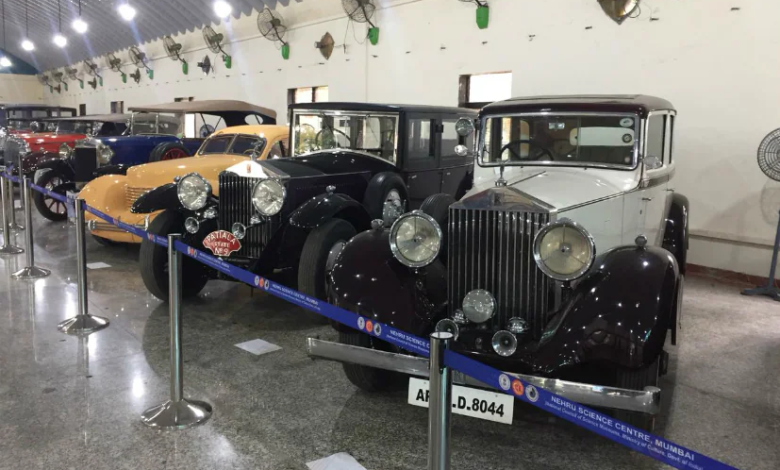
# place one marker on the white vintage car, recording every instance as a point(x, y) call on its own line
point(564, 261)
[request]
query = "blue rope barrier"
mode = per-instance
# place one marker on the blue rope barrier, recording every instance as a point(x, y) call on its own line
point(629, 436)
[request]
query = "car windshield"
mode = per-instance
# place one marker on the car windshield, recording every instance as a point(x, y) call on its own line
point(150, 124)
point(20, 124)
point(233, 144)
point(567, 139)
point(364, 132)
point(74, 127)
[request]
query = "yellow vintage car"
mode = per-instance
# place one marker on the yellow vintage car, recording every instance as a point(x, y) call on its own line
point(115, 194)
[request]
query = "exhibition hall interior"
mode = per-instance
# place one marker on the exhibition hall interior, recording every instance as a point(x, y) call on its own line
point(389, 234)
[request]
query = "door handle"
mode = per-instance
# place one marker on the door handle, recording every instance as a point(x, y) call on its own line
point(648, 199)
point(412, 177)
point(448, 173)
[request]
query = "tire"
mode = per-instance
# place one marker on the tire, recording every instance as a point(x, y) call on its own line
point(638, 380)
point(312, 268)
point(379, 189)
point(105, 241)
point(438, 207)
point(169, 151)
point(153, 260)
point(50, 208)
point(367, 378)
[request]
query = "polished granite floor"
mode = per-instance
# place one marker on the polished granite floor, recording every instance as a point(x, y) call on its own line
point(69, 403)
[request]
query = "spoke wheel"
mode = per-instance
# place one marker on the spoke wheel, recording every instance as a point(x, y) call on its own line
point(49, 207)
point(174, 154)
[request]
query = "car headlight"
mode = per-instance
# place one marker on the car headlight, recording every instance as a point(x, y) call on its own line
point(104, 154)
point(193, 191)
point(268, 197)
point(564, 251)
point(65, 151)
point(415, 239)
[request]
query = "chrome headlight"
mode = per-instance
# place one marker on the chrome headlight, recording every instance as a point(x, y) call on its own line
point(268, 197)
point(479, 306)
point(104, 154)
point(65, 151)
point(564, 251)
point(193, 191)
point(415, 239)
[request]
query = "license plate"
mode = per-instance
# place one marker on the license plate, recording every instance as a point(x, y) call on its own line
point(222, 243)
point(467, 401)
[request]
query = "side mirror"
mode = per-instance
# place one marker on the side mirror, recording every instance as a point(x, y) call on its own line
point(464, 127)
point(652, 162)
point(461, 151)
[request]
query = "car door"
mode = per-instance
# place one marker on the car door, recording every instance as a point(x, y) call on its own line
point(421, 162)
point(456, 172)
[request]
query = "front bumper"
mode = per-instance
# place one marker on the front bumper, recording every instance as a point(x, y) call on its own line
point(101, 228)
point(643, 401)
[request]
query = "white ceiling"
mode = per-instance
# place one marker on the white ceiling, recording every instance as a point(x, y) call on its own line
point(107, 30)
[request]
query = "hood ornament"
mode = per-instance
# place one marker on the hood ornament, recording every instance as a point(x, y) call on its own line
point(501, 181)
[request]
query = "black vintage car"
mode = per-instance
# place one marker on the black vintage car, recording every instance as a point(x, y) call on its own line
point(512, 269)
point(289, 218)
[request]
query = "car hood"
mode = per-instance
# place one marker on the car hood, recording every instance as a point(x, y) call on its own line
point(50, 137)
point(152, 175)
point(550, 189)
point(323, 163)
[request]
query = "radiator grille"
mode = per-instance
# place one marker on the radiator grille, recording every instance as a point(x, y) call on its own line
point(235, 205)
point(132, 194)
point(493, 250)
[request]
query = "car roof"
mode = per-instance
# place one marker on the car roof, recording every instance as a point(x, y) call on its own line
point(269, 131)
point(206, 107)
point(641, 104)
point(376, 107)
point(92, 118)
point(33, 106)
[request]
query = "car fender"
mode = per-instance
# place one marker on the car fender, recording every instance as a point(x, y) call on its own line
point(369, 281)
point(106, 194)
point(676, 231)
point(118, 169)
point(32, 161)
point(618, 314)
point(59, 165)
point(319, 209)
point(160, 198)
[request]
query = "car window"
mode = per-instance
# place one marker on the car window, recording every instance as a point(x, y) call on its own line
point(363, 132)
point(669, 149)
point(450, 138)
point(246, 145)
point(420, 145)
point(218, 144)
point(656, 128)
point(277, 151)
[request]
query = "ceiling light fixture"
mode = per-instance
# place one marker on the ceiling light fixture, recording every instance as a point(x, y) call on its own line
point(59, 40)
point(223, 9)
point(4, 61)
point(79, 25)
point(27, 45)
point(126, 12)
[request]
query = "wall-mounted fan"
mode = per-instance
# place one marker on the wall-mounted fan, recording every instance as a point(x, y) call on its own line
point(136, 76)
point(326, 45)
point(91, 69)
point(361, 11)
point(619, 10)
point(205, 65)
point(46, 80)
point(214, 41)
point(138, 59)
point(115, 63)
point(483, 12)
point(206, 130)
point(59, 77)
point(769, 163)
point(174, 49)
point(73, 75)
point(272, 27)
point(93, 83)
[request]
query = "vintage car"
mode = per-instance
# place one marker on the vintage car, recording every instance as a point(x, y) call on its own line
point(565, 260)
point(288, 218)
point(156, 133)
point(115, 194)
point(27, 118)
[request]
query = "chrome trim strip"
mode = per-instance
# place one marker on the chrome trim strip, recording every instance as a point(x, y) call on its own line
point(644, 401)
point(94, 225)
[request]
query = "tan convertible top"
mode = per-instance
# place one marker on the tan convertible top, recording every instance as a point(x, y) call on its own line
point(206, 107)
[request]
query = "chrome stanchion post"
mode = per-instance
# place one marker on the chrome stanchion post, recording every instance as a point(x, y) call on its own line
point(8, 247)
point(177, 412)
point(11, 200)
point(440, 404)
point(31, 271)
point(83, 323)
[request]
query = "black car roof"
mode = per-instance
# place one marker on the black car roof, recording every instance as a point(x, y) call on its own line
point(387, 108)
point(642, 104)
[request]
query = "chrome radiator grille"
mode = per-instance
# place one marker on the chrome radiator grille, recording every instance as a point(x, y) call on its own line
point(132, 193)
point(235, 205)
point(493, 250)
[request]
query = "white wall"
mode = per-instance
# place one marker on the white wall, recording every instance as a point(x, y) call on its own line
point(20, 89)
point(714, 64)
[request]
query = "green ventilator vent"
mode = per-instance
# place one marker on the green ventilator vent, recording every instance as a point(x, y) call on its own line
point(286, 51)
point(483, 16)
point(185, 67)
point(81, 84)
point(227, 60)
point(373, 35)
point(124, 77)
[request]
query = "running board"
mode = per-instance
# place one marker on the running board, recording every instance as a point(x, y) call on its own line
point(643, 401)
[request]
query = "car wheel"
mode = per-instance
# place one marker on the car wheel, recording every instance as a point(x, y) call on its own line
point(638, 380)
point(368, 379)
point(48, 207)
point(153, 260)
point(438, 207)
point(322, 247)
point(169, 151)
point(386, 197)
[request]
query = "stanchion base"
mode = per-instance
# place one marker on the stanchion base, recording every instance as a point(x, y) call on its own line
point(82, 325)
point(29, 273)
point(11, 250)
point(769, 291)
point(177, 415)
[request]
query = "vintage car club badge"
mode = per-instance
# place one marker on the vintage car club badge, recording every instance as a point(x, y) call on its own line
point(222, 243)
